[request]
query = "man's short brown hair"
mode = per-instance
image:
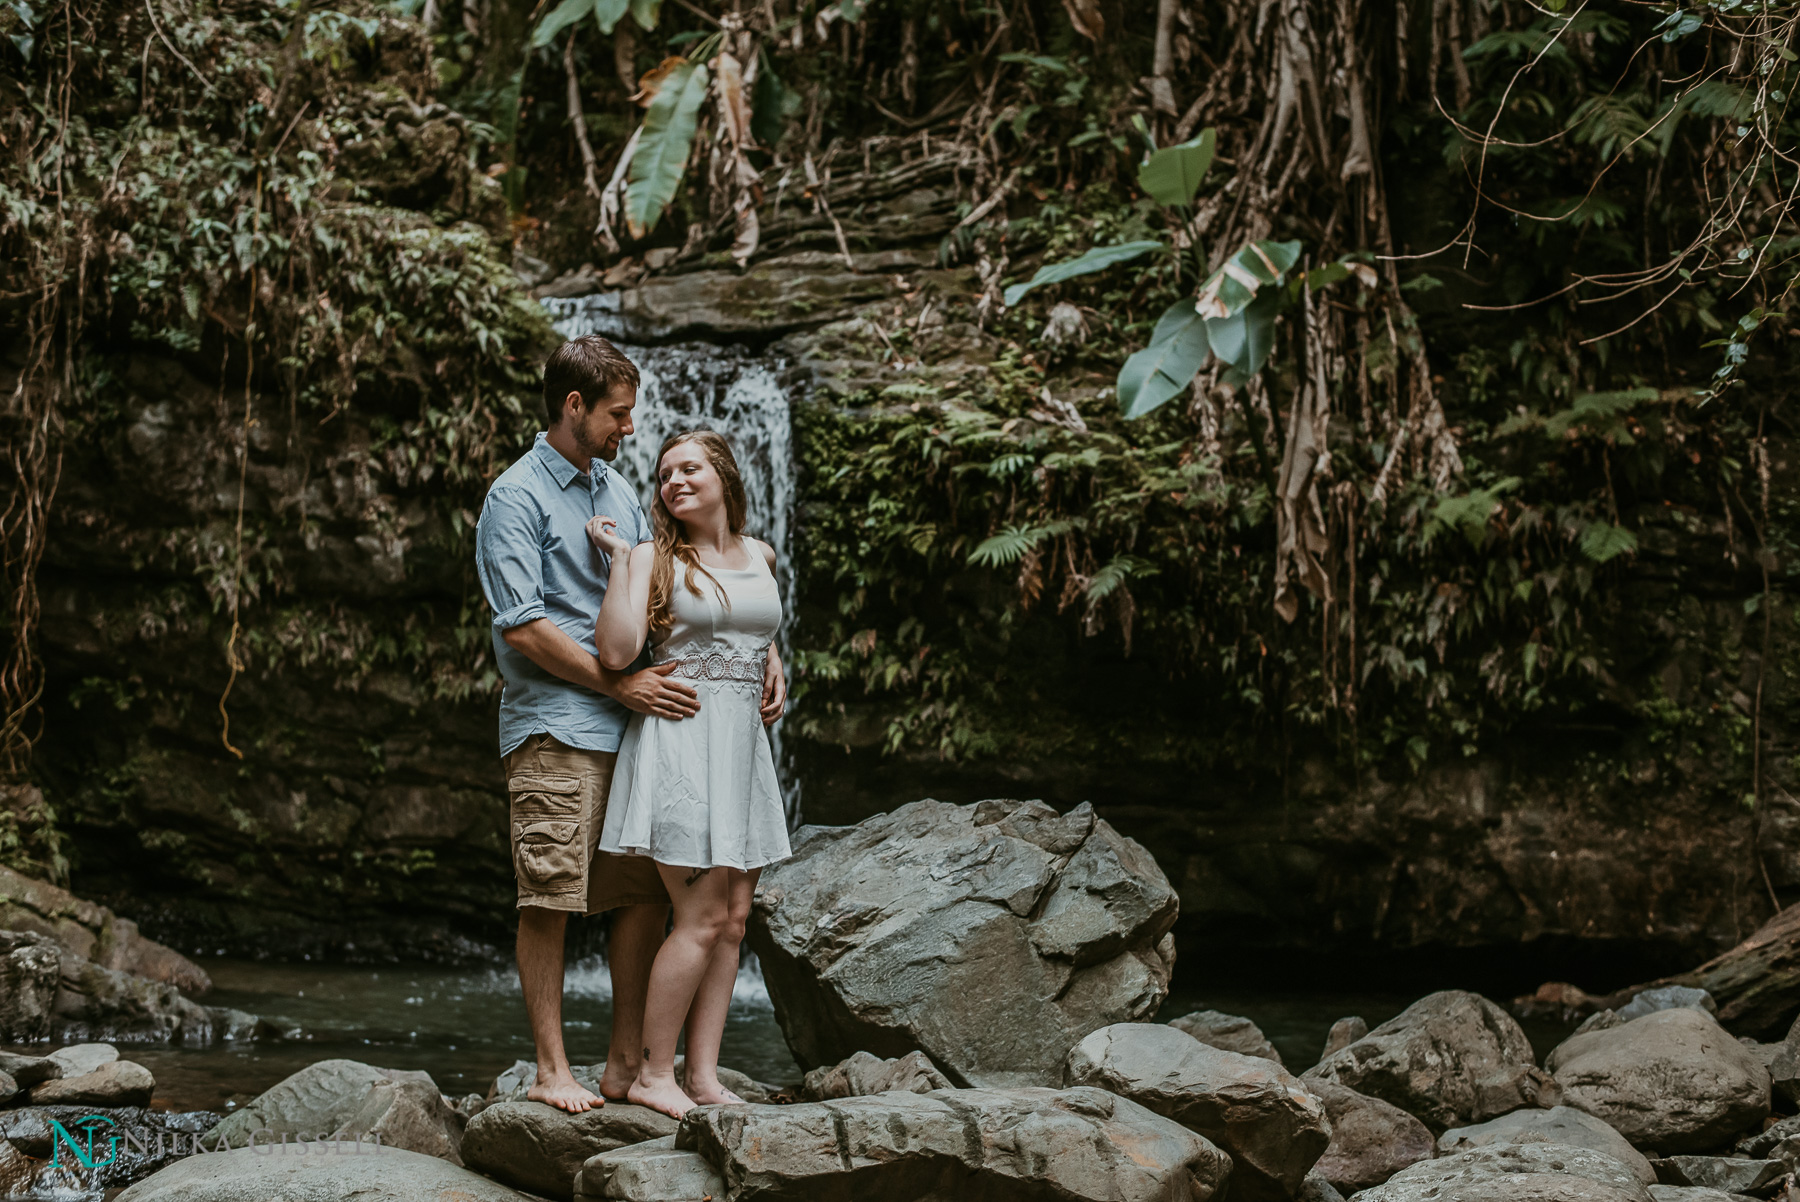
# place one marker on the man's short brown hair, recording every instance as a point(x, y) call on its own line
point(589, 365)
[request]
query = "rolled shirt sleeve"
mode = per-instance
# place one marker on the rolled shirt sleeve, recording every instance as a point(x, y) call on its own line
point(509, 558)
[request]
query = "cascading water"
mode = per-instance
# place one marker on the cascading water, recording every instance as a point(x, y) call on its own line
point(727, 389)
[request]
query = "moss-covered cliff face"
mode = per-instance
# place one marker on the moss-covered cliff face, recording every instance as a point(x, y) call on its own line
point(1499, 734)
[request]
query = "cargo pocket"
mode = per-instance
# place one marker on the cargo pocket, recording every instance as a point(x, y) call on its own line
point(549, 856)
point(546, 822)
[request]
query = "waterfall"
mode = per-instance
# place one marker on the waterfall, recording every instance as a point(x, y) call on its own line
point(729, 390)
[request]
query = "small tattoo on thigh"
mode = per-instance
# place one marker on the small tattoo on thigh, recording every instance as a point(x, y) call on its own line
point(696, 875)
point(646, 1053)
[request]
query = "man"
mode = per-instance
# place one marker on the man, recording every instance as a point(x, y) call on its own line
point(562, 715)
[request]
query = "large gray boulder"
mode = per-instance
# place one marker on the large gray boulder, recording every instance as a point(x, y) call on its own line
point(1449, 1059)
point(265, 1174)
point(1672, 1080)
point(991, 937)
point(539, 1148)
point(347, 1099)
point(1258, 1112)
point(653, 1171)
point(976, 1143)
point(1371, 1140)
point(863, 1074)
point(1691, 1193)
point(1531, 1172)
point(1558, 1125)
point(1228, 1033)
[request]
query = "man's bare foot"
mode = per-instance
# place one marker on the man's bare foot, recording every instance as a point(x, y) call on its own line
point(718, 1095)
point(663, 1096)
point(565, 1093)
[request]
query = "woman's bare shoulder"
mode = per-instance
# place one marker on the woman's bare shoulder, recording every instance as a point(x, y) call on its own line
point(763, 549)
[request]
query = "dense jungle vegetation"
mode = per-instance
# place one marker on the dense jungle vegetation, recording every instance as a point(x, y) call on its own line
point(1475, 440)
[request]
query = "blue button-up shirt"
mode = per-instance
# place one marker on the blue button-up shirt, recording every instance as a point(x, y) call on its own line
point(535, 561)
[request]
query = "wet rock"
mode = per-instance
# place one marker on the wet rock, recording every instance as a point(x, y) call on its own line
point(539, 1148)
point(96, 1002)
point(1450, 1059)
point(1343, 1033)
point(30, 965)
point(1371, 1140)
point(1259, 1113)
point(863, 1074)
point(1667, 997)
point(1672, 1080)
point(1728, 1174)
point(27, 1071)
point(653, 1171)
point(1228, 1033)
point(93, 932)
point(1020, 930)
point(976, 1143)
point(252, 1175)
point(1558, 1125)
point(116, 1083)
point(1514, 1173)
point(345, 1099)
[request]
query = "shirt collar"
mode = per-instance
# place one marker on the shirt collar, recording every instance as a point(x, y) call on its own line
point(560, 469)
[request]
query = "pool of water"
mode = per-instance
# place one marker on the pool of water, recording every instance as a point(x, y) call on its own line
point(466, 1026)
point(462, 1026)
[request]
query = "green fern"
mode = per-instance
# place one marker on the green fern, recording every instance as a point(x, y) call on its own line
point(1602, 541)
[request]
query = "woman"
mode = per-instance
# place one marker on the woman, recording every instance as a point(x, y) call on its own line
point(699, 796)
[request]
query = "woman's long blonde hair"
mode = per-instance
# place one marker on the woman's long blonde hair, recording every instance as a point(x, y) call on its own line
point(672, 538)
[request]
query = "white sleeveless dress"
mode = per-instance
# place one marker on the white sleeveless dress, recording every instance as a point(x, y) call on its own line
point(701, 792)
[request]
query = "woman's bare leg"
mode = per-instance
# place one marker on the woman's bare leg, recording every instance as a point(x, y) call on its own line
point(702, 901)
point(712, 1003)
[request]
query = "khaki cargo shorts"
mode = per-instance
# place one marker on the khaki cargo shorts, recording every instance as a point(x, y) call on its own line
point(558, 798)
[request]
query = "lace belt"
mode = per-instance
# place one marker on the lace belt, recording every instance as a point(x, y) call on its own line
point(718, 665)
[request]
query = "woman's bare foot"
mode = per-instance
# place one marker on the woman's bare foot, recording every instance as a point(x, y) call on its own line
point(664, 1096)
point(718, 1095)
point(615, 1082)
point(565, 1093)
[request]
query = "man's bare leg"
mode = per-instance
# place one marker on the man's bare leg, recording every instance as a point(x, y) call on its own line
point(637, 934)
point(541, 977)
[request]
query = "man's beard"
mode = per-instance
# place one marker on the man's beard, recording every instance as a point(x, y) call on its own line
point(605, 450)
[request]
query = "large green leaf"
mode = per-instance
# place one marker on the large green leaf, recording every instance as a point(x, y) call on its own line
point(1178, 348)
point(1246, 273)
point(1173, 175)
point(1244, 339)
point(644, 12)
point(609, 13)
point(662, 151)
point(560, 18)
point(1098, 259)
